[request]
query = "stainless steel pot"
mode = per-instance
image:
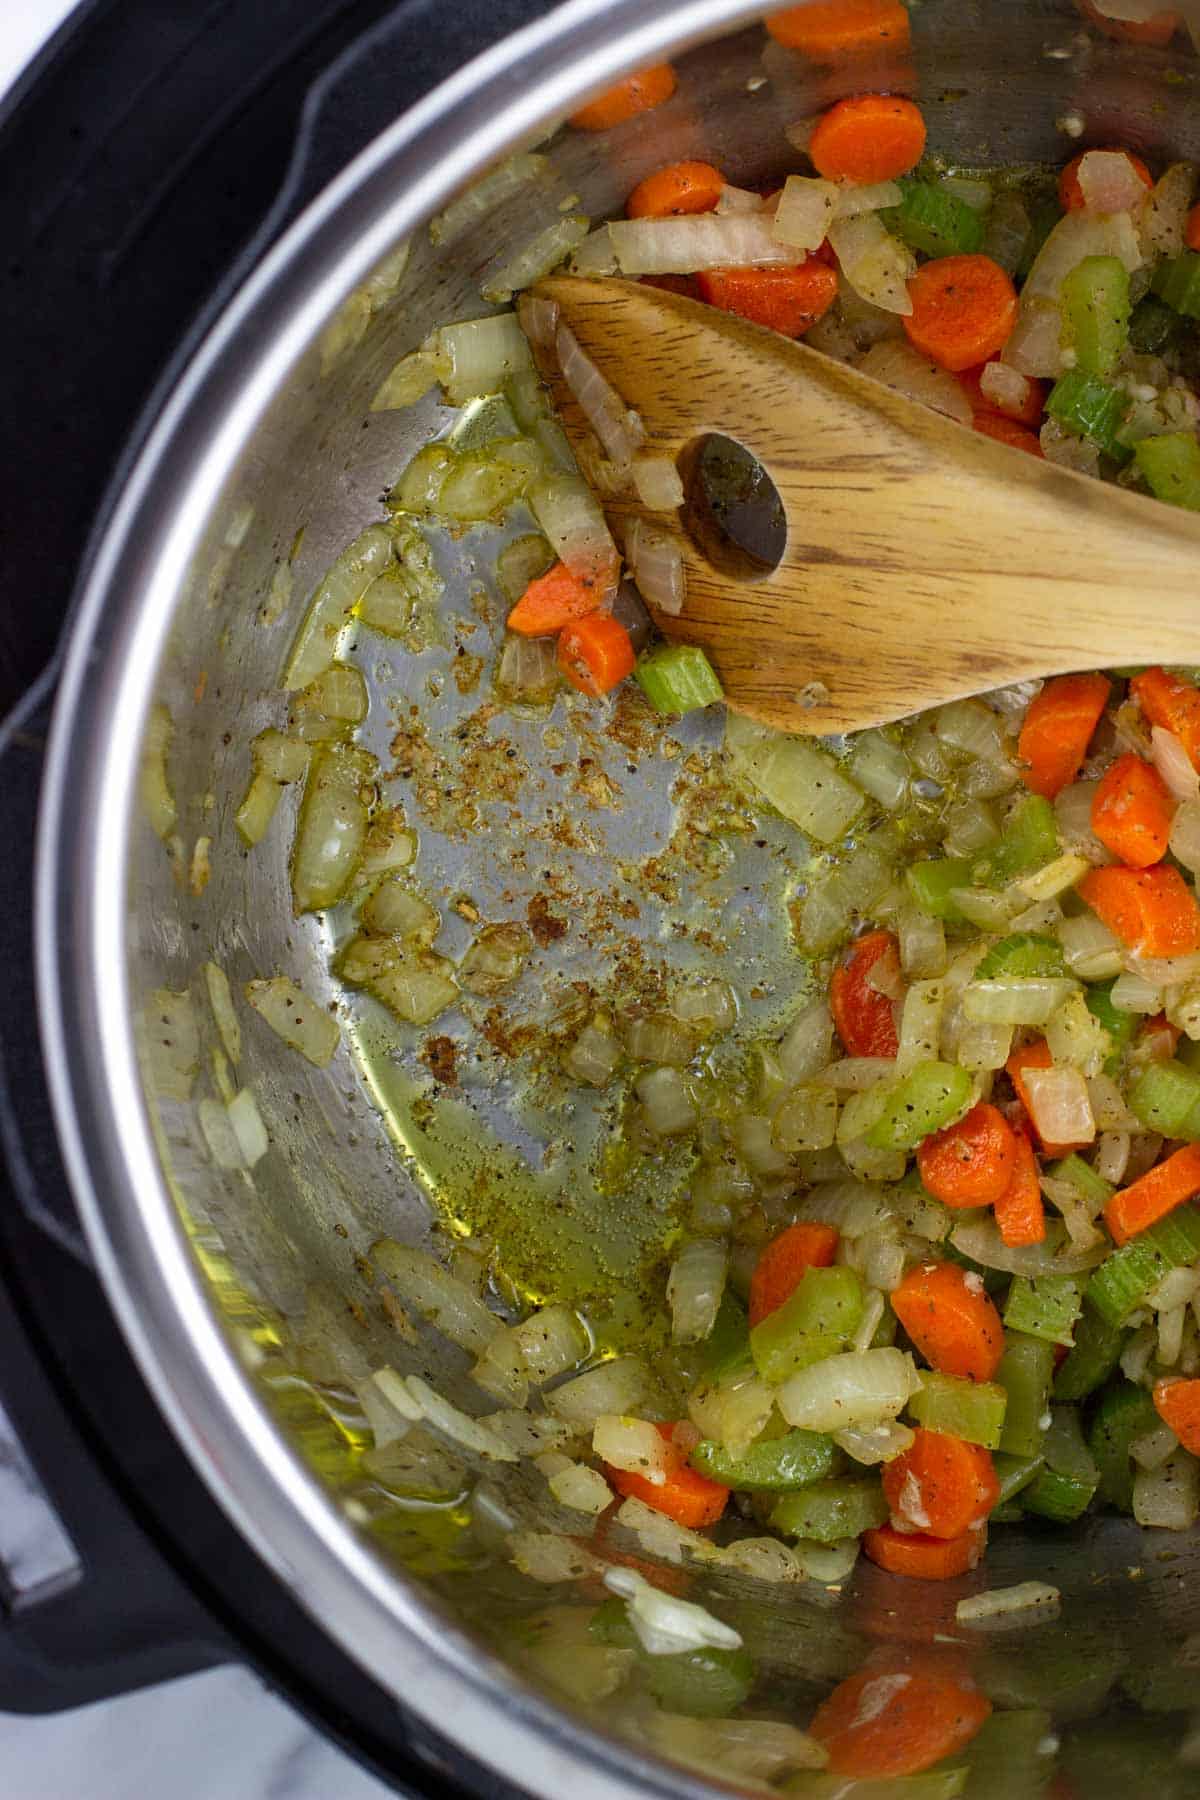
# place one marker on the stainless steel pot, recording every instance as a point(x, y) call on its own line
point(268, 435)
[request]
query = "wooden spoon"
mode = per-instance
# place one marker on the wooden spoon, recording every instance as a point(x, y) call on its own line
point(923, 561)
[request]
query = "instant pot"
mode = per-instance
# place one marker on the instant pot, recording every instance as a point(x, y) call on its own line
point(203, 213)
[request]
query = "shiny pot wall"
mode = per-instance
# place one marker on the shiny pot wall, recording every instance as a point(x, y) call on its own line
point(265, 462)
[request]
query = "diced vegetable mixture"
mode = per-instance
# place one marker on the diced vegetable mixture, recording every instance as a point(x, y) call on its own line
point(940, 1270)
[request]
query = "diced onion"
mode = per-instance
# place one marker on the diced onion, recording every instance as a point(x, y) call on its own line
point(1016, 1000)
point(343, 586)
point(1132, 992)
point(1077, 235)
point(479, 201)
point(569, 515)
point(656, 563)
point(1092, 952)
point(879, 1445)
point(582, 1489)
point(500, 1370)
point(1168, 1498)
point(920, 1025)
point(710, 1004)
point(620, 431)
point(389, 1409)
point(899, 366)
point(1006, 388)
point(855, 198)
point(1060, 1106)
point(659, 1535)
point(679, 246)
point(544, 1556)
point(1076, 1038)
point(284, 759)
point(980, 1240)
point(1030, 1602)
point(880, 766)
point(295, 1018)
point(448, 1303)
point(1034, 345)
point(1073, 817)
point(853, 1390)
point(612, 1387)
point(876, 264)
point(800, 781)
point(538, 319)
point(595, 255)
point(1151, 1450)
point(806, 210)
point(975, 194)
point(552, 1341)
point(1185, 835)
point(594, 1056)
point(668, 1104)
point(257, 808)
point(657, 484)
point(409, 381)
point(694, 1289)
point(739, 200)
point(482, 354)
point(460, 1427)
point(1174, 764)
point(664, 1625)
point(733, 1412)
point(804, 1049)
point(532, 260)
point(158, 802)
point(1109, 182)
point(1165, 212)
point(806, 1119)
point(634, 1445)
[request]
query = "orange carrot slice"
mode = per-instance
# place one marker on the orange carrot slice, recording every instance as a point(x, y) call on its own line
point(829, 29)
point(1164, 1187)
point(787, 300)
point(970, 1163)
point(950, 1319)
point(596, 654)
point(940, 1485)
point(1058, 729)
point(683, 187)
point(1131, 812)
point(783, 1264)
point(921, 1557)
point(868, 138)
point(636, 94)
point(1154, 911)
point(686, 1496)
point(552, 601)
point(963, 310)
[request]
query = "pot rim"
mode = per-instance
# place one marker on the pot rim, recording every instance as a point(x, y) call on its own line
point(118, 632)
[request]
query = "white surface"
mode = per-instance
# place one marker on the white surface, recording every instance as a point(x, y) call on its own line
point(221, 1735)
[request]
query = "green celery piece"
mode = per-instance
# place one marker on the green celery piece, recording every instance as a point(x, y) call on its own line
point(973, 1410)
point(678, 678)
point(1124, 1414)
point(726, 1349)
point(1081, 1175)
point(1177, 281)
point(1095, 304)
point(1046, 1307)
point(830, 1510)
point(1065, 1449)
point(935, 221)
point(1152, 326)
point(930, 883)
point(1029, 839)
point(1123, 1280)
point(1163, 1096)
point(1026, 953)
point(1007, 1758)
point(1062, 1498)
point(772, 1464)
point(1095, 1355)
point(1089, 407)
point(930, 1095)
point(708, 1683)
point(1121, 1026)
point(1171, 467)
point(1014, 1473)
point(1026, 1371)
point(823, 1312)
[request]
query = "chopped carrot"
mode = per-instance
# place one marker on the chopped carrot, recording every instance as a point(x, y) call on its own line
point(1154, 911)
point(1157, 30)
point(1164, 1187)
point(636, 94)
point(941, 1485)
point(1191, 229)
point(686, 1496)
point(687, 285)
point(1070, 194)
point(833, 28)
point(1131, 811)
point(862, 1010)
point(788, 300)
point(1035, 1055)
point(596, 654)
point(970, 1163)
point(903, 1712)
point(868, 138)
point(1020, 1214)
point(783, 1263)
point(1173, 704)
point(921, 1557)
point(683, 187)
point(1058, 729)
point(963, 309)
point(1008, 431)
point(1177, 1404)
point(950, 1319)
point(552, 601)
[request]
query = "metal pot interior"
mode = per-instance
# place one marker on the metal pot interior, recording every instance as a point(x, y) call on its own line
point(618, 835)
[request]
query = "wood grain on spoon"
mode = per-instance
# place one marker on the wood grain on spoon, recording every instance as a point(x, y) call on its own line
point(923, 562)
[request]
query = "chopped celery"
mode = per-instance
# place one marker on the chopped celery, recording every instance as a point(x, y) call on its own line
point(726, 1349)
point(829, 1510)
point(790, 1461)
point(1058, 1497)
point(1177, 281)
point(1124, 1279)
point(1089, 407)
point(1081, 1175)
point(973, 1410)
point(935, 221)
point(1095, 302)
point(1046, 1307)
point(1066, 1486)
point(1029, 839)
point(1121, 1026)
point(1152, 325)
point(1025, 1372)
point(1008, 1756)
point(1163, 1096)
point(931, 883)
point(678, 678)
point(1026, 953)
point(816, 1321)
point(707, 1683)
point(1123, 1415)
point(1095, 1355)
point(1014, 1473)
point(930, 1096)
point(1171, 467)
